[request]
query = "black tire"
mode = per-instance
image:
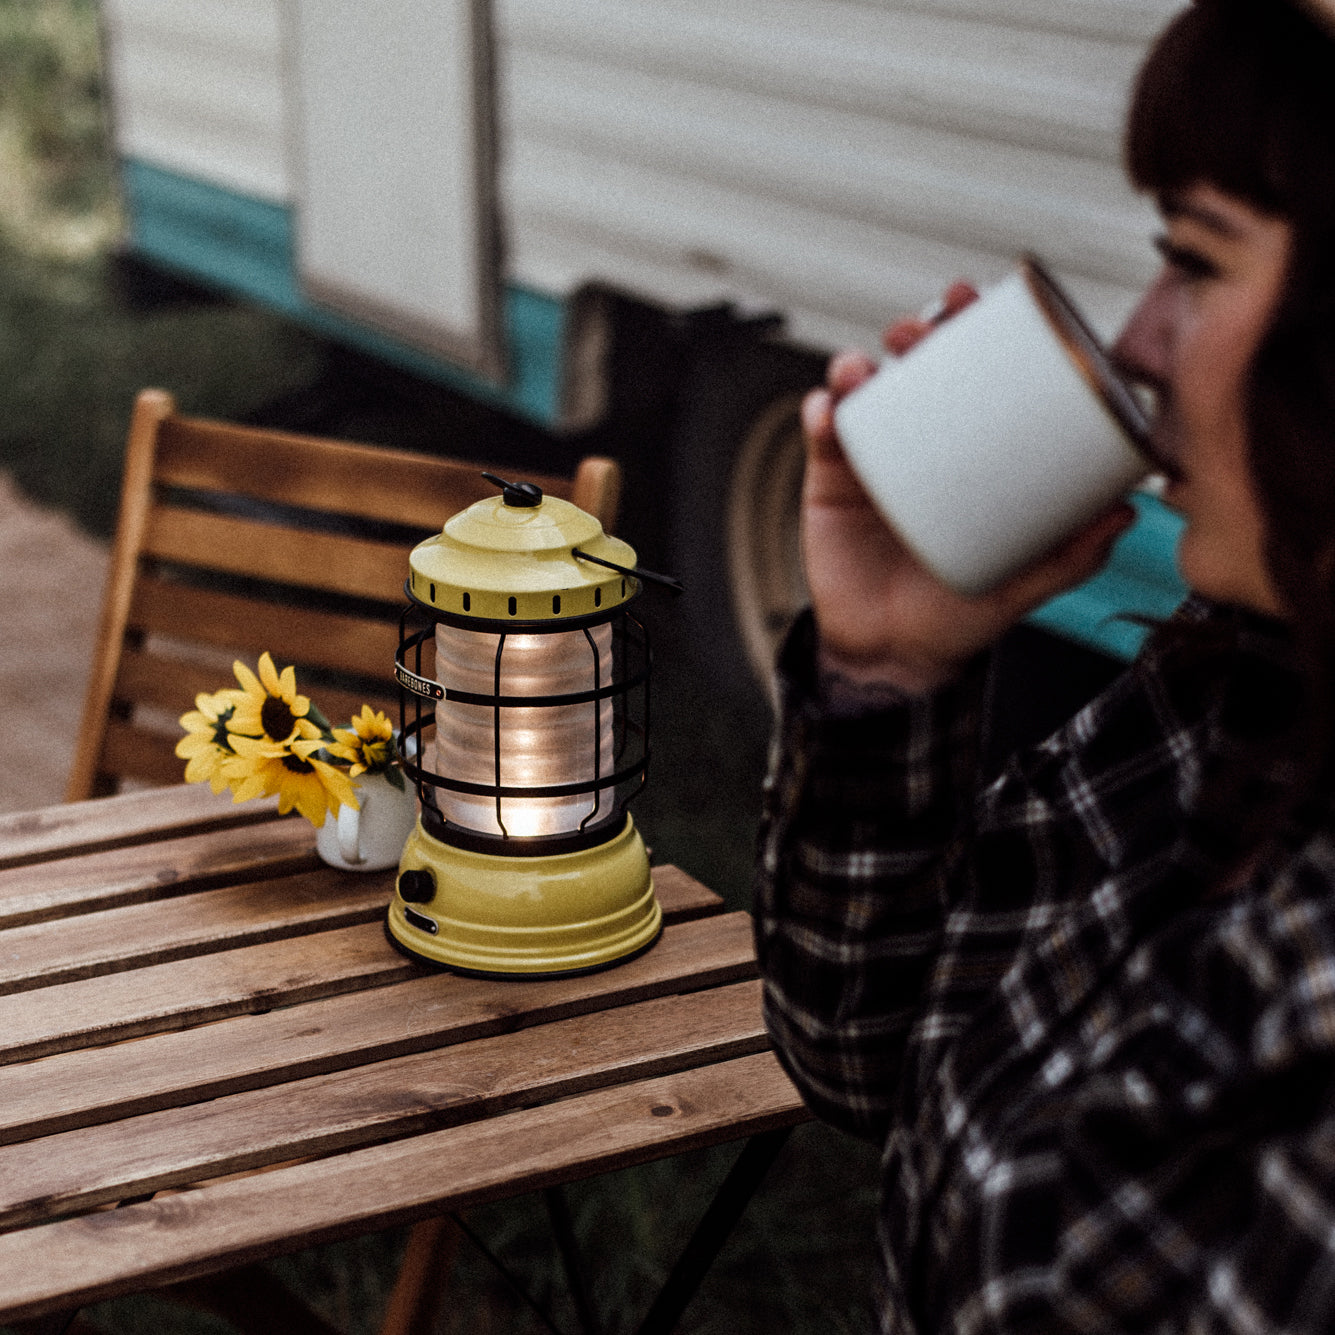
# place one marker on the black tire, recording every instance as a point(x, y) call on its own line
point(735, 466)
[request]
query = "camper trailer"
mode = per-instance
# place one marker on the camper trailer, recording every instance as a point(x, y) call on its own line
point(504, 195)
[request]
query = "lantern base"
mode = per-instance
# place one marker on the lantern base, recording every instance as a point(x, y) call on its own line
point(561, 913)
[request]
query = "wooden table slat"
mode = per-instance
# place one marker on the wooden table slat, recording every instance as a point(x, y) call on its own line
point(196, 991)
point(139, 935)
point(240, 981)
point(138, 873)
point(199, 1232)
point(109, 822)
point(377, 1101)
point(93, 1085)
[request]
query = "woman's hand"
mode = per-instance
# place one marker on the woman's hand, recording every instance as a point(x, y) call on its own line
point(883, 619)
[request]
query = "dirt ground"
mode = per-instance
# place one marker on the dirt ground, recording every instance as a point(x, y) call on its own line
point(51, 577)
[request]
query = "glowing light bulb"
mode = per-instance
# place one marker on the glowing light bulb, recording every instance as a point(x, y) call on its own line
point(540, 745)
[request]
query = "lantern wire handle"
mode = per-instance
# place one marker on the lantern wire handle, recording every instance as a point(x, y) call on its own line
point(666, 581)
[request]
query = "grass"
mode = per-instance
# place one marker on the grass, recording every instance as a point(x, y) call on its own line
point(74, 353)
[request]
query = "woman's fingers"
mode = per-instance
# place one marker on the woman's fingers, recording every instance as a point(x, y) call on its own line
point(905, 333)
point(847, 371)
point(818, 421)
point(958, 295)
point(828, 480)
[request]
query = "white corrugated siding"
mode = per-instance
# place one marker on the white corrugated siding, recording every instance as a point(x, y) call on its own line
point(200, 87)
point(834, 159)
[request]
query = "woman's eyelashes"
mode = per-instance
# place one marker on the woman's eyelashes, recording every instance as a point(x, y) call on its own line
point(1185, 260)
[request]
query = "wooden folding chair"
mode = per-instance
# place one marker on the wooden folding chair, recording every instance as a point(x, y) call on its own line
point(233, 540)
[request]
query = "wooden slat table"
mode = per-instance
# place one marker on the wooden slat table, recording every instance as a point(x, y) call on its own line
point(187, 995)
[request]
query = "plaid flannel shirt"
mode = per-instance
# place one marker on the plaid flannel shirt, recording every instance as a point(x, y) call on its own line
point(1104, 1091)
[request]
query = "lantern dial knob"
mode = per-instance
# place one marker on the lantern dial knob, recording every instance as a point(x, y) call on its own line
point(524, 495)
point(417, 887)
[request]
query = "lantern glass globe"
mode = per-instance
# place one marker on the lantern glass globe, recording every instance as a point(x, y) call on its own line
point(538, 746)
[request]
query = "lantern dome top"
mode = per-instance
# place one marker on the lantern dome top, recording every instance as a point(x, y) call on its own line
point(500, 562)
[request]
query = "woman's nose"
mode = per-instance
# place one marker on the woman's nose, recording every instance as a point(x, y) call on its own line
point(1143, 350)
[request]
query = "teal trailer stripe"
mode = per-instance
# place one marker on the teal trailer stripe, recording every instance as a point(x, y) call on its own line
point(246, 246)
point(1140, 580)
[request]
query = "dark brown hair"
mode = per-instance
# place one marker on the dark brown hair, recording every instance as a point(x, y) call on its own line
point(1240, 94)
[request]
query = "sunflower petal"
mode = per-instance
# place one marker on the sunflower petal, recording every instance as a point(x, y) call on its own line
point(250, 683)
point(269, 674)
point(257, 748)
point(337, 783)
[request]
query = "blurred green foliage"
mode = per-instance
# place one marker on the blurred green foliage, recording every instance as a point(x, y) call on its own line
point(72, 359)
point(57, 193)
point(73, 353)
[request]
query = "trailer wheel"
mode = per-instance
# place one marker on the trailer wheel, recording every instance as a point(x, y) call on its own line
point(736, 465)
point(763, 549)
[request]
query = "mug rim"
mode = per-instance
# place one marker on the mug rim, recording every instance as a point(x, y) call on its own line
point(1086, 351)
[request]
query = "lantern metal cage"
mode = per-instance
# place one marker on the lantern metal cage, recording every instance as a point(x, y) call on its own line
point(524, 718)
point(610, 793)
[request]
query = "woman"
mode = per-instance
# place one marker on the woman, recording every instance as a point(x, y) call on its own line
point(1088, 1007)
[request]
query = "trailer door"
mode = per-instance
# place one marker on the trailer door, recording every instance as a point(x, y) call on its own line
point(392, 133)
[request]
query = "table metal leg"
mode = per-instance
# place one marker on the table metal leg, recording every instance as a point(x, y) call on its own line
point(506, 1274)
point(711, 1233)
point(566, 1243)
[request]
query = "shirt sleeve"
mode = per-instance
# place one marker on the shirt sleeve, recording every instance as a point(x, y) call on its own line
point(1280, 1274)
point(1256, 1255)
point(861, 814)
point(1130, 1217)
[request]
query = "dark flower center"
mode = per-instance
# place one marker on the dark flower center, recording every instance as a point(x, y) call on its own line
point(297, 765)
point(276, 718)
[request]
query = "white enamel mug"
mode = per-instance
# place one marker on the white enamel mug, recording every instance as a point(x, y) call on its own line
point(1002, 432)
point(371, 836)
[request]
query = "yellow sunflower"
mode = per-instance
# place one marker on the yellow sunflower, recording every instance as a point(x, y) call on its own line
point(205, 745)
point(262, 767)
point(270, 707)
point(368, 744)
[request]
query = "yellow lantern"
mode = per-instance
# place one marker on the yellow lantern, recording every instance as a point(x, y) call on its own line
point(524, 711)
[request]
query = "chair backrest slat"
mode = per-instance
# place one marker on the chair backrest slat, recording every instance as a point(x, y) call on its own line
point(234, 540)
point(353, 567)
point(229, 621)
point(159, 681)
point(335, 476)
point(131, 752)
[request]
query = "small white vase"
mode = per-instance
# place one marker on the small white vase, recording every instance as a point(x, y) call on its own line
point(372, 837)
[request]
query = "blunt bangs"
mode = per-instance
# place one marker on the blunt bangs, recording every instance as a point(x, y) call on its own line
point(1239, 94)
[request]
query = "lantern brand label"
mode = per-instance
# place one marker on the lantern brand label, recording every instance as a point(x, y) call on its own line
point(423, 686)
